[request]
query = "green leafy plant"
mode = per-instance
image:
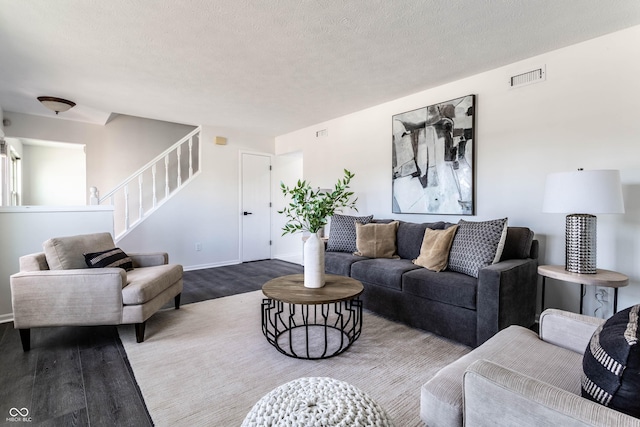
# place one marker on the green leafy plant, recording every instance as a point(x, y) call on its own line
point(310, 209)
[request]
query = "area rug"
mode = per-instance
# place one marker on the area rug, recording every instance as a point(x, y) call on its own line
point(208, 363)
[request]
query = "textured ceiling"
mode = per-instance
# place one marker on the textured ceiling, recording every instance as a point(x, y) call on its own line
point(270, 66)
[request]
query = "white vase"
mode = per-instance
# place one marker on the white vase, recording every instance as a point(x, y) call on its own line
point(314, 262)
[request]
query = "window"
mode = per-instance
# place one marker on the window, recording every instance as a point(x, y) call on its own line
point(10, 182)
point(14, 180)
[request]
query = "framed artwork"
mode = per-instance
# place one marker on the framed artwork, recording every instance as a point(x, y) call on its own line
point(433, 159)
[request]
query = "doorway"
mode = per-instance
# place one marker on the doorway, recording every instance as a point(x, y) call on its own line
point(255, 208)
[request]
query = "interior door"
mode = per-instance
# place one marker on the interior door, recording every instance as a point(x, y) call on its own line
point(256, 207)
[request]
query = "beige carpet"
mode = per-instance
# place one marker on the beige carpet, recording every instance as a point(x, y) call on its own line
point(208, 363)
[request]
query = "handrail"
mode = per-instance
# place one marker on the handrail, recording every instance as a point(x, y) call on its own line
point(150, 164)
point(124, 208)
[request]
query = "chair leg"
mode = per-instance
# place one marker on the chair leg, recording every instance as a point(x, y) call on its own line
point(177, 301)
point(25, 337)
point(140, 331)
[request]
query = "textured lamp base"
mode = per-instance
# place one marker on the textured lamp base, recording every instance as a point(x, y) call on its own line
point(581, 244)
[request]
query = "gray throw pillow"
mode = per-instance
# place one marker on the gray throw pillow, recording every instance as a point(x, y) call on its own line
point(342, 232)
point(477, 245)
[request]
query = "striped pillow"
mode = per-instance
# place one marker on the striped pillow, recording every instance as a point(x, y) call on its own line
point(611, 363)
point(115, 258)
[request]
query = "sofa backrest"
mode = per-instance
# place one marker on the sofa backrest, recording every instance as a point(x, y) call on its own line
point(519, 243)
point(410, 235)
point(64, 253)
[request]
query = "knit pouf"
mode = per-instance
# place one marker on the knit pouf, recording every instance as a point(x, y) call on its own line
point(317, 401)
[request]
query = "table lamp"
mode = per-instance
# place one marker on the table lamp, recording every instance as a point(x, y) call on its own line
point(581, 194)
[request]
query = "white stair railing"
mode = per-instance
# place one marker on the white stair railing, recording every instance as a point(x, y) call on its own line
point(135, 198)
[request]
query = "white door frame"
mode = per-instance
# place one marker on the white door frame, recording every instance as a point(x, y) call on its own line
point(241, 225)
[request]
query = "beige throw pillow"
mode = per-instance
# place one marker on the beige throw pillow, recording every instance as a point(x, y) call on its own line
point(376, 240)
point(434, 252)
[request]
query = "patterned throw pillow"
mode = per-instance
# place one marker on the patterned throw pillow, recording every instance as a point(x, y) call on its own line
point(611, 364)
point(342, 232)
point(110, 258)
point(477, 245)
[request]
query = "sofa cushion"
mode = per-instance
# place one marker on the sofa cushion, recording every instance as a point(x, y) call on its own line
point(458, 290)
point(409, 237)
point(434, 253)
point(376, 240)
point(518, 243)
point(340, 262)
point(611, 363)
point(63, 253)
point(382, 271)
point(477, 245)
point(342, 232)
point(144, 284)
point(114, 258)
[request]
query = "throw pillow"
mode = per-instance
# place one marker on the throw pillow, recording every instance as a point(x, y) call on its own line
point(376, 240)
point(477, 245)
point(611, 364)
point(342, 232)
point(434, 252)
point(110, 258)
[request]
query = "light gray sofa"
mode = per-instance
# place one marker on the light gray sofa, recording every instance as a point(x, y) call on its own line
point(56, 288)
point(521, 378)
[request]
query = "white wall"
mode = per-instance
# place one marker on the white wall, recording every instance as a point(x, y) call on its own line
point(207, 211)
point(287, 168)
point(54, 175)
point(584, 115)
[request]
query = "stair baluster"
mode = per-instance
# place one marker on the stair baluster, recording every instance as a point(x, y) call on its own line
point(119, 196)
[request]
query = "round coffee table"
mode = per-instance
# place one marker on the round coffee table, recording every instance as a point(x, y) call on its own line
point(311, 323)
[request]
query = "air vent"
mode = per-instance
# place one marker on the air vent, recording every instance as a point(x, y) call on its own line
point(536, 75)
point(322, 133)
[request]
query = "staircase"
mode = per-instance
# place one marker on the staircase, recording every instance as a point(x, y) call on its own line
point(138, 196)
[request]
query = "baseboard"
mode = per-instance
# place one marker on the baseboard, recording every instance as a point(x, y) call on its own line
point(294, 258)
point(6, 318)
point(212, 265)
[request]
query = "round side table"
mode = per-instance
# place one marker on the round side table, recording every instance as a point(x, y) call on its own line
point(603, 278)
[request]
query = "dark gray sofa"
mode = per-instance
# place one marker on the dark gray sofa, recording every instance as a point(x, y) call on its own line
point(450, 304)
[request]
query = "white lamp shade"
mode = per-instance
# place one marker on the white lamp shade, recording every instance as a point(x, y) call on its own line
point(584, 192)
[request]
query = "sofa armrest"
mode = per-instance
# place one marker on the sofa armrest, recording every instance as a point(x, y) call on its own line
point(67, 297)
point(149, 259)
point(494, 395)
point(33, 262)
point(568, 330)
point(506, 296)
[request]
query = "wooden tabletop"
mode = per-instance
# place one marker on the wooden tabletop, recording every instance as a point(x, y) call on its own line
point(604, 278)
point(291, 289)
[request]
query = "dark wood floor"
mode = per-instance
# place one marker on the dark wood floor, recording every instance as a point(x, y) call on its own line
point(80, 376)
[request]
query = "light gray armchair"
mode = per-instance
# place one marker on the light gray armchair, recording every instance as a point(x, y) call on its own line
point(56, 288)
point(521, 378)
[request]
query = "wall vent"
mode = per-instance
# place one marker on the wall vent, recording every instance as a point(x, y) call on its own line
point(536, 75)
point(322, 133)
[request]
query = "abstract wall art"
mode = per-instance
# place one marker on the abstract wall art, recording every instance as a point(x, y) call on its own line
point(433, 159)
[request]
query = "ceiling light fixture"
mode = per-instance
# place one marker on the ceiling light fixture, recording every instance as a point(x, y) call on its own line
point(56, 104)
